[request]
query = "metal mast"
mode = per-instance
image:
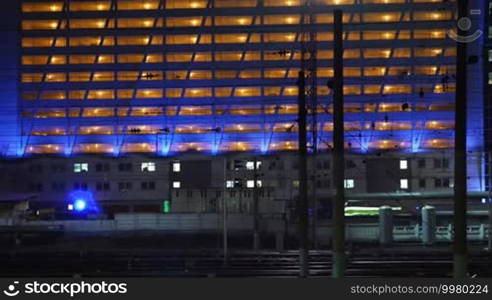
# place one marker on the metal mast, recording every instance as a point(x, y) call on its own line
point(310, 68)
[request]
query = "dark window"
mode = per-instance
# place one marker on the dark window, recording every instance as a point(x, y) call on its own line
point(325, 164)
point(143, 185)
point(147, 185)
point(124, 186)
point(218, 194)
point(421, 163)
point(84, 186)
point(437, 163)
point(238, 183)
point(445, 163)
point(76, 186)
point(100, 167)
point(350, 164)
point(239, 164)
point(213, 204)
point(437, 182)
point(189, 193)
point(446, 182)
point(203, 193)
point(58, 186)
point(422, 183)
point(124, 167)
point(58, 168)
point(102, 186)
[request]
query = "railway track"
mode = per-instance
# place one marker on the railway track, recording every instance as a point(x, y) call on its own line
point(238, 264)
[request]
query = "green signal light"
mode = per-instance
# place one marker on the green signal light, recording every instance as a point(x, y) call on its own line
point(166, 206)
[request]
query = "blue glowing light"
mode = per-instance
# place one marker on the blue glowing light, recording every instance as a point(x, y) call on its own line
point(82, 202)
point(80, 205)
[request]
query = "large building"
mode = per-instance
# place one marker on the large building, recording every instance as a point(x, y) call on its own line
point(487, 54)
point(156, 81)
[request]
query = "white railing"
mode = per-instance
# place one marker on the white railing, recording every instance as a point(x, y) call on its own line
point(413, 233)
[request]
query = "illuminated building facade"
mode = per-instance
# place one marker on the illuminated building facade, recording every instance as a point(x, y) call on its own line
point(487, 54)
point(219, 76)
point(169, 77)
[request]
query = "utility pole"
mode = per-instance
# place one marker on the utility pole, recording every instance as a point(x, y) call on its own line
point(460, 189)
point(312, 68)
point(339, 259)
point(224, 214)
point(489, 187)
point(303, 178)
point(256, 222)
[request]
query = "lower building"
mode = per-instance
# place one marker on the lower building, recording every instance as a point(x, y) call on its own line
point(194, 183)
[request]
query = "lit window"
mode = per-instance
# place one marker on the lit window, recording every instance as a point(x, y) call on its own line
point(90, 6)
point(176, 167)
point(148, 167)
point(403, 164)
point(404, 184)
point(41, 25)
point(250, 165)
point(42, 7)
point(251, 184)
point(180, 4)
point(282, 2)
point(91, 23)
point(138, 5)
point(235, 3)
point(230, 184)
point(80, 167)
point(349, 183)
point(176, 184)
